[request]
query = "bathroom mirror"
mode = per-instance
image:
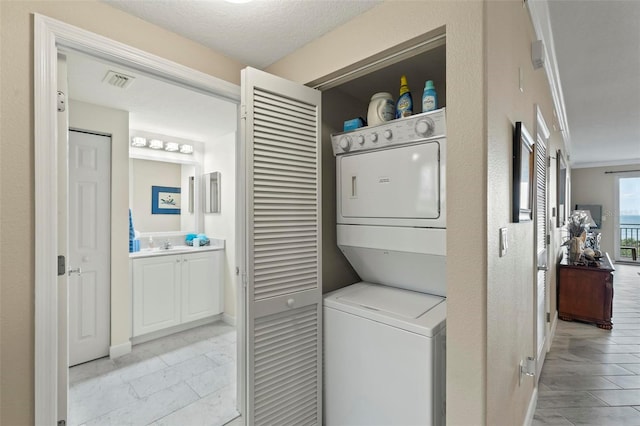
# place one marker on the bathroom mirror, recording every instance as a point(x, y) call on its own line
point(212, 192)
point(179, 178)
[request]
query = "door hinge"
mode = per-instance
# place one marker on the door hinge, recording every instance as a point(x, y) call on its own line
point(548, 316)
point(61, 101)
point(243, 112)
point(62, 267)
point(548, 239)
point(62, 422)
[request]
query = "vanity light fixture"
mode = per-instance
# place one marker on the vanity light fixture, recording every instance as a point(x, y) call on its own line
point(138, 141)
point(142, 142)
point(186, 149)
point(171, 146)
point(156, 144)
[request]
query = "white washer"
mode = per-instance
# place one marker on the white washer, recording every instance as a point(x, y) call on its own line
point(385, 358)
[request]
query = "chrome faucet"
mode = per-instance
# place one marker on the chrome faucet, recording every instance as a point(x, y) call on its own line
point(166, 245)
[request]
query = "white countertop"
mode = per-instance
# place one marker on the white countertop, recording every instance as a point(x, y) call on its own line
point(178, 249)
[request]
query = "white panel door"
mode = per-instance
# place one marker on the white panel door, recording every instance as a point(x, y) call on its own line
point(89, 246)
point(202, 285)
point(281, 131)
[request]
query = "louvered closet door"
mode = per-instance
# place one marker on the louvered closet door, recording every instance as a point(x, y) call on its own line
point(281, 125)
point(541, 250)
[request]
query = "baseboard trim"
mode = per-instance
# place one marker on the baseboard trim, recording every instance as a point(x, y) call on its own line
point(531, 411)
point(175, 329)
point(229, 319)
point(552, 331)
point(119, 350)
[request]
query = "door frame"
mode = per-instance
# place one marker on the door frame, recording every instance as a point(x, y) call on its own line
point(542, 135)
point(50, 37)
point(616, 217)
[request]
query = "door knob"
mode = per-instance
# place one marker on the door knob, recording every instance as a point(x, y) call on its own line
point(77, 270)
point(290, 303)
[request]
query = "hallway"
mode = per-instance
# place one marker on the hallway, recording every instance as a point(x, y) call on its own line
point(592, 376)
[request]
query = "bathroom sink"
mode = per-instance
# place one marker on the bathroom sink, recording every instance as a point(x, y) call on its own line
point(177, 249)
point(172, 248)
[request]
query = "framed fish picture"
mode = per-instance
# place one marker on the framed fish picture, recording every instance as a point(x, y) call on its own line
point(165, 200)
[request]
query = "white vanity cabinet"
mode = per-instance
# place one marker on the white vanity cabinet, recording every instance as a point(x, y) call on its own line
point(170, 290)
point(201, 285)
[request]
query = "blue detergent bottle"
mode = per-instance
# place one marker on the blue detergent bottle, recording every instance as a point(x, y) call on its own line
point(429, 97)
point(404, 106)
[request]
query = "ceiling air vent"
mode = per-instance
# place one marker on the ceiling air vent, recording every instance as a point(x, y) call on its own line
point(118, 79)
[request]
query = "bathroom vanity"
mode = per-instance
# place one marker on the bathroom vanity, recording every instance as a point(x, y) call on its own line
point(176, 287)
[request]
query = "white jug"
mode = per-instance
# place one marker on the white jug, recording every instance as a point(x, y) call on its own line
point(381, 109)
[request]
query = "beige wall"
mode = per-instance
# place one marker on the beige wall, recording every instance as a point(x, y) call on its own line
point(592, 186)
point(144, 175)
point(17, 164)
point(220, 156)
point(510, 279)
point(395, 22)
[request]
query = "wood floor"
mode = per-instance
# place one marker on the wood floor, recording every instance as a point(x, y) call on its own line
point(592, 376)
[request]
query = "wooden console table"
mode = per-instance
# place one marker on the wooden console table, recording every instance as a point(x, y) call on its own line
point(585, 293)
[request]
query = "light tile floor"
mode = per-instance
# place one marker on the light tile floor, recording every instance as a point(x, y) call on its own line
point(592, 376)
point(188, 378)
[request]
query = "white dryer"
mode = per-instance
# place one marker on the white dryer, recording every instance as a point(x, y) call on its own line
point(384, 338)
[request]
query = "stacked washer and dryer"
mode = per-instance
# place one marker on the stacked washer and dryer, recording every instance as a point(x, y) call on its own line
point(384, 337)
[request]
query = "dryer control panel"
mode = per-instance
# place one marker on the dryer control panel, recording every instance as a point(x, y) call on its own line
point(416, 128)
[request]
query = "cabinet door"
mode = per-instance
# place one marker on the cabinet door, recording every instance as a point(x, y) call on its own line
point(201, 285)
point(156, 293)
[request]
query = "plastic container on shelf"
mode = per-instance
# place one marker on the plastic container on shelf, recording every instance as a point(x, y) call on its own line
point(429, 97)
point(404, 106)
point(381, 109)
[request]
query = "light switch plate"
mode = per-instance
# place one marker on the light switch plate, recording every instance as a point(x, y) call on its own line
point(504, 245)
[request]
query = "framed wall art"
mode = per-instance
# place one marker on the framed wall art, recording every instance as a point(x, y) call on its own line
point(165, 200)
point(522, 197)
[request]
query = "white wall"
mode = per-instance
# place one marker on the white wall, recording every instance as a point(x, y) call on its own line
point(220, 156)
point(144, 175)
point(593, 186)
point(84, 116)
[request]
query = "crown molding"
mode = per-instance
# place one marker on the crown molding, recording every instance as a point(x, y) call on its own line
point(539, 13)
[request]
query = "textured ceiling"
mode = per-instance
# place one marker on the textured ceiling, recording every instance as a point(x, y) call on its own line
point(257, 33)
point(598, 51)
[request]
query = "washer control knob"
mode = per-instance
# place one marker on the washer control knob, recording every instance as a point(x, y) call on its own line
point(425, 127)
point(360, 139)
point(373, 137)
point(388, 134)
point(345, 143)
